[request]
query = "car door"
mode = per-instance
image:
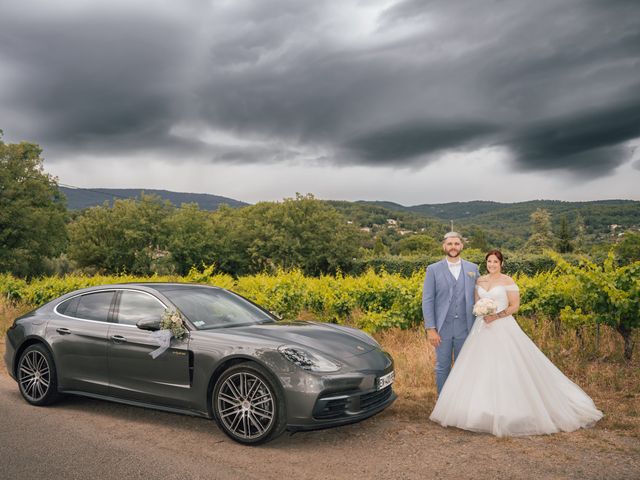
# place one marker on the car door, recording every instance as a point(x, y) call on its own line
point(77, 334)
point(133, 373)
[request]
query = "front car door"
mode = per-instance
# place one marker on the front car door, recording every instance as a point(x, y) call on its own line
point(133, 373)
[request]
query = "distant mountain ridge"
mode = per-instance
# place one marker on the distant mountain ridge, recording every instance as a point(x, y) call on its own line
point(514, 218)
point(81, 198)
point(478, 208)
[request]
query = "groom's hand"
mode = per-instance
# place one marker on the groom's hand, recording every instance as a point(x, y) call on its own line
point(433, 336)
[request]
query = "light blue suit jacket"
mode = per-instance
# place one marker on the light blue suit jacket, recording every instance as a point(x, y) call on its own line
point(438, 290)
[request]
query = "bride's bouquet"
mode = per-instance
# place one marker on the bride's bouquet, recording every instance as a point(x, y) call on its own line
point(485, 306)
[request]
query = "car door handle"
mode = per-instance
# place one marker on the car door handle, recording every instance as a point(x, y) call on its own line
point(118, 338)
point(63, 331)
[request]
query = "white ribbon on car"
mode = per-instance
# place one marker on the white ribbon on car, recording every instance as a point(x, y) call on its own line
point(163, 337)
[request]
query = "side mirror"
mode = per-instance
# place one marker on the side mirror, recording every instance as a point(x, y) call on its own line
point(151, 324)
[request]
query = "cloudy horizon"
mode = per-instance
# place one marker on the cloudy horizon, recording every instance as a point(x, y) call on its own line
point(406, 101)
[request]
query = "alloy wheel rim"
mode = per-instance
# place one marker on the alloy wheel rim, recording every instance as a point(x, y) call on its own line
point(35, 375)
point(245, 405)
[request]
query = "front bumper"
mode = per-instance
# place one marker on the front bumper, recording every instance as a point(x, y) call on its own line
point(336, 410)
point(316, 401)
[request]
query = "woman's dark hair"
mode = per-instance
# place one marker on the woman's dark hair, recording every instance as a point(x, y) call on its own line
point(497, 253)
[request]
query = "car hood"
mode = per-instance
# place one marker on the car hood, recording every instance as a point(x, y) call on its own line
point(339, 342)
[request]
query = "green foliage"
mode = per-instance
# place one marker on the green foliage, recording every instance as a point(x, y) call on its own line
point(299, 232)
point(541, 236)
point(574, 296)
point(32, 211)
point(628, 249)
point(417, 245)
point(477, 239)
point(564, 244)
point(190, 239)
point(124, 238)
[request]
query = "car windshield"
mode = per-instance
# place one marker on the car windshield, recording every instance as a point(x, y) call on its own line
point(209, 308)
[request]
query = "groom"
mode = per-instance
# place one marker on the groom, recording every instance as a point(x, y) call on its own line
point(447, 304)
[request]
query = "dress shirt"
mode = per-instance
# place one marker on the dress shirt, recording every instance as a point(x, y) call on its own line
point(454, 268)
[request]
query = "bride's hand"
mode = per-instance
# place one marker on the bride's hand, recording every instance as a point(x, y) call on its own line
point(490, 318)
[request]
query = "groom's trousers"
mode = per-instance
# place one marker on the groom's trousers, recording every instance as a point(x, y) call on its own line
point(444, 352)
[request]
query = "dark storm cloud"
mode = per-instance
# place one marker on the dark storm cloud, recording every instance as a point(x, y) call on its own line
point(353, 82)
point(587, 142)
point(408, 141)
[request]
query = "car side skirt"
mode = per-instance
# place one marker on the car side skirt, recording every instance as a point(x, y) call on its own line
point(133, 403)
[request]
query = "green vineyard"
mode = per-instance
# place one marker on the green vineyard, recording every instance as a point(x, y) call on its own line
point(580, 297)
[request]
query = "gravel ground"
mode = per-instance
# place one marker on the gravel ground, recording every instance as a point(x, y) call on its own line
point(83, 438)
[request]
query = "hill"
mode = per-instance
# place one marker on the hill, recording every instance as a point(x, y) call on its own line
point(81, 198)
point(598, 215)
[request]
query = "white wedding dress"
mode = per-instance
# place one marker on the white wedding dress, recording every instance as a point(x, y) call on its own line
point(501, 383)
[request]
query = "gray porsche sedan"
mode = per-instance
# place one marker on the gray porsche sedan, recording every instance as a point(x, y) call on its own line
point(255, 374)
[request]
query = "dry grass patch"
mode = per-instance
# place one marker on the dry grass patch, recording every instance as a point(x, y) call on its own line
point(612, 382)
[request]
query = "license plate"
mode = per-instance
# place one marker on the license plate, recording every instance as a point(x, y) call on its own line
point(385, 380)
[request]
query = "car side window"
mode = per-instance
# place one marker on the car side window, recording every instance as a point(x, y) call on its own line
point(68, 307)
point(94, 306)
point(135, 306)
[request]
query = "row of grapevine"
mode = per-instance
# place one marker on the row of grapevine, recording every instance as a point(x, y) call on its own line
point(572, 296)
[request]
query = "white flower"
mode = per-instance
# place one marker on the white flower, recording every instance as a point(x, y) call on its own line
point(485, 306)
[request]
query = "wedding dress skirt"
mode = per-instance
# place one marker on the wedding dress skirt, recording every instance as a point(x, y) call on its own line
point(501, 383)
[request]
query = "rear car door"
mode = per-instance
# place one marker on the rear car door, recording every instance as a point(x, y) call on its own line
point(77, 334)
point(133, 373)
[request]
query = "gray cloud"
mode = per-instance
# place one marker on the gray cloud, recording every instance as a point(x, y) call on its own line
point(401, 143)
point(588, 142)
point(352, 82)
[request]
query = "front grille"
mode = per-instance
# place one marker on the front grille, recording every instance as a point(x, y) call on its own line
point(373, 399)
point(342, 406)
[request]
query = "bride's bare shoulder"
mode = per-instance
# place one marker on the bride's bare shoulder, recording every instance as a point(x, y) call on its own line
point(506, 280)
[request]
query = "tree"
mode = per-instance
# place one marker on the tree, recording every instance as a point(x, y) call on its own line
point(477, 239)
point(299, 232)
point(417, 244)
point(190, 238)
point(32, 211)
point(541, 237)
point(580, 229)
point(564, 244)
point(379, 248)
point(628, 250)
point(125, 238)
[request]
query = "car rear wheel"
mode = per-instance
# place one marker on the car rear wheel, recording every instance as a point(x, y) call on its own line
point(248, 405)
point(37, 376)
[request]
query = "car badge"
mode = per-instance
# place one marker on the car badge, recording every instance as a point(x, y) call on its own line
point(360, 347)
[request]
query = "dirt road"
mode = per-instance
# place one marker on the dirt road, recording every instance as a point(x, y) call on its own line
point(82, 438)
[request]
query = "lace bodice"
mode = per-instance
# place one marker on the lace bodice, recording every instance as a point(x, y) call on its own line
point(498, 294)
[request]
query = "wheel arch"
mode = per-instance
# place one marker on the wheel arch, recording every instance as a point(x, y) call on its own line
point(237, 360)
point(26, 344)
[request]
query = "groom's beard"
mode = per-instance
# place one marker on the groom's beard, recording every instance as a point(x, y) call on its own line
point(453, 253)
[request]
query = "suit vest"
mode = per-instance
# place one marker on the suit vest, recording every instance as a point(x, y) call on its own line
point(455, 322)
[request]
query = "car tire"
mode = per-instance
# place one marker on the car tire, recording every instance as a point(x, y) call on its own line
point(248, 404)
point(36, 376)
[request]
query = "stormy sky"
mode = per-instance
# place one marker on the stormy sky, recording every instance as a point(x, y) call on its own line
point(408, 101)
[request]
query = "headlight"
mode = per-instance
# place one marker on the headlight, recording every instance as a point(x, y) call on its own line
point(307, 360)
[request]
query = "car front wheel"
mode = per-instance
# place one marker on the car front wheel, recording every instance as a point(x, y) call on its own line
point(37, 376)
point(248, 405)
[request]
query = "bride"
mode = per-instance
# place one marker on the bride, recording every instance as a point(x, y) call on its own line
point(502, 383)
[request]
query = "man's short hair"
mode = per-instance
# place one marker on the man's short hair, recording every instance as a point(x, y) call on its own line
point(450, 235)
